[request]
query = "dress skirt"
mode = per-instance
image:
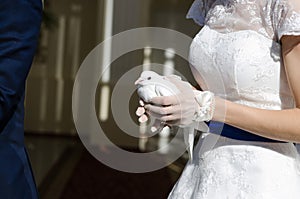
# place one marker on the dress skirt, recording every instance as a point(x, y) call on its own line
point(237, 169)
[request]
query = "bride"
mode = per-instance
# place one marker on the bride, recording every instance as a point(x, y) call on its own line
point(253, 48)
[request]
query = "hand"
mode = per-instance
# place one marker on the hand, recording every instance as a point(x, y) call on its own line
point(186, 107)
point(149, 85)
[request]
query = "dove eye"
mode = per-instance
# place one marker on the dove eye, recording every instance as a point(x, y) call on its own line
point(149, 78)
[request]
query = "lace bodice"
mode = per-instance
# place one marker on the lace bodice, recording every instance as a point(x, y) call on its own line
point(237, 54)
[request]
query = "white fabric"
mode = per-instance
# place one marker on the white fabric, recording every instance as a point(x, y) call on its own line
point(237, 55)
point(240, 170)
point(206, 102)
point(244, 66)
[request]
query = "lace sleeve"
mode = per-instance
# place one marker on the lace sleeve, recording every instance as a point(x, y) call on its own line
point(288, 18)
point(197, 12)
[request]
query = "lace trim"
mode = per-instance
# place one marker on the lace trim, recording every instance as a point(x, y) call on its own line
point(291, 25)
point(271, 18)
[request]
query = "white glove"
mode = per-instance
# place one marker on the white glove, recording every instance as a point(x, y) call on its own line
point(179, 104)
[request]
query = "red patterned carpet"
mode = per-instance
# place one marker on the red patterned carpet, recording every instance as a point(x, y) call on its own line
point(93, 180)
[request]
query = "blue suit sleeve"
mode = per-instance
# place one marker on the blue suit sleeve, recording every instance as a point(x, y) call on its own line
point(19, 31)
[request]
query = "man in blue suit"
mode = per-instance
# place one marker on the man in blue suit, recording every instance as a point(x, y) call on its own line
point(19, 30)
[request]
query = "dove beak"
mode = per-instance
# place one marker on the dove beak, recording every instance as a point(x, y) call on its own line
point(138, 81)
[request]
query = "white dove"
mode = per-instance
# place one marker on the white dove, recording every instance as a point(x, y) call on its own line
point(151, 84)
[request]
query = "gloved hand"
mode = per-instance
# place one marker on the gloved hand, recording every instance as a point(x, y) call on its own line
point(178, 104)
point(150, 85)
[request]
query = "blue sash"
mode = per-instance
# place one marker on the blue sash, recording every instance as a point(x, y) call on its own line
point(232, 132)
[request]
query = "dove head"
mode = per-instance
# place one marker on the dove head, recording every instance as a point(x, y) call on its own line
point(147, 77)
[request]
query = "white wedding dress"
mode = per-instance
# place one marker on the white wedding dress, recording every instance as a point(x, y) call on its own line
point(237, 55)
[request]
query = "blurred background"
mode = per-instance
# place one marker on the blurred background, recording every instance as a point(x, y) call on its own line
point(70, 30)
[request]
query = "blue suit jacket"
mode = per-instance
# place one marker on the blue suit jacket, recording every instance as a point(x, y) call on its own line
point(19, 30)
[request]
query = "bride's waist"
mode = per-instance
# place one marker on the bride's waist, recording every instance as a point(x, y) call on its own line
point(228, 145)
